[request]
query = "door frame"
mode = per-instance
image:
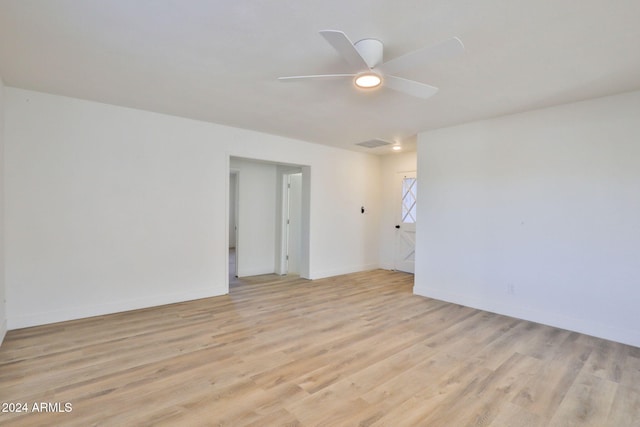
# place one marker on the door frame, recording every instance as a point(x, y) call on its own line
point(285, 226)
point(236, 172)
point(305, 249)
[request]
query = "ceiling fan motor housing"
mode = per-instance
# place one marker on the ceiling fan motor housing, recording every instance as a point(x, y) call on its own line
point(370, 50)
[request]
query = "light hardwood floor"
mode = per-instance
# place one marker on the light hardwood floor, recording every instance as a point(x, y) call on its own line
point(353, 350)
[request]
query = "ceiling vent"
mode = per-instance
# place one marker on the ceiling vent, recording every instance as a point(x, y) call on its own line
point(373, 143)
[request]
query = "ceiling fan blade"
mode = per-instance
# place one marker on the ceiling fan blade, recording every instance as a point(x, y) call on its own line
point(410, 87)
point(314, 77)
point(420, 57)
point(345, 47)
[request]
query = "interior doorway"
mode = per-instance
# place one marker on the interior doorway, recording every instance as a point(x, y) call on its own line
point(265, 210)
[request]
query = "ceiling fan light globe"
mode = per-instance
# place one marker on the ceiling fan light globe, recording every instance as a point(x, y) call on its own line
point(367, 80)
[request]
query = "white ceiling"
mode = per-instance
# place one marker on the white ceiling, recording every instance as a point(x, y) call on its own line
point(218, 60)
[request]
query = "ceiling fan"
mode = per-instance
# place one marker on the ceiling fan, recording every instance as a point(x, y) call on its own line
point(365, 56)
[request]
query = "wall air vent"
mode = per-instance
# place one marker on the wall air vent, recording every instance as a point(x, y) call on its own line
point(373, 143)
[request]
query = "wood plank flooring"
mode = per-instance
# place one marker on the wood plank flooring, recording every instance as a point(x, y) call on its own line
point(353, 350)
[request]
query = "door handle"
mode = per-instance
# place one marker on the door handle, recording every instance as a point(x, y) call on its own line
point(397, 226)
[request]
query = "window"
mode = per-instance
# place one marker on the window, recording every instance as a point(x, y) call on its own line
point(409, 200)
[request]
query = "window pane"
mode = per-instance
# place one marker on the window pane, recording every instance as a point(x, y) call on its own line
point(409, 200)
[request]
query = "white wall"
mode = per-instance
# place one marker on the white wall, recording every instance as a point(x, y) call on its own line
point(3, 310)
point(109, 208)
point(391, 165)
point(546, 203)
point(339, 193)
point(256, 217)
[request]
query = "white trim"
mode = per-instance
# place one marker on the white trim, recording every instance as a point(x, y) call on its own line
point(341, 271)
point(226, 223)
point(235, 172)
point(54, 316)
point(281, 255)
point(256, 272)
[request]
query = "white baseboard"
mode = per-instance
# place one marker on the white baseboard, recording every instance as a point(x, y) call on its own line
point(584, 326)
point(340, 271)
point(84, 311)
point(386, 266)
point(256, 272)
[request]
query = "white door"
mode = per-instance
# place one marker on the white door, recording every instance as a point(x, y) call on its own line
point(405, 246)
point(233, 224)
point(233, 198)
point(294, 223)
